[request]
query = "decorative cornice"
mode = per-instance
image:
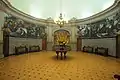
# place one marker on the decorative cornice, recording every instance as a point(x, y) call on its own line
point(6, 6)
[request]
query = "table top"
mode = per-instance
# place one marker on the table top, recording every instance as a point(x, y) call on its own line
point(61, 50)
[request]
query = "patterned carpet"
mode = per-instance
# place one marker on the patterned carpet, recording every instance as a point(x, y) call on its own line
point(45, 66)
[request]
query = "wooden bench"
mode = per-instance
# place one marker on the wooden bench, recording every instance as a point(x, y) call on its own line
point(21, 50)
point(88, 49)
point(34, 48)
point(102, 51)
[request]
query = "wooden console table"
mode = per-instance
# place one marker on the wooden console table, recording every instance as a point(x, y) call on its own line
point(62, 52)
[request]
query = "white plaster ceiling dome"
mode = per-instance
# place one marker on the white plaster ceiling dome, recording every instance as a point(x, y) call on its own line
point(70, 8)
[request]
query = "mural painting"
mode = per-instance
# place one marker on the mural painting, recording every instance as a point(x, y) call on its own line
point(19, 28)
point(106, 28)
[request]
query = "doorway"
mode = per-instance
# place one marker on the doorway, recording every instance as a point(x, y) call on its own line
point(79, 43)
point(44, 44)
point(61, 37)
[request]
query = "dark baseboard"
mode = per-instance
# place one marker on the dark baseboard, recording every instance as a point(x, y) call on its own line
point(113, 56)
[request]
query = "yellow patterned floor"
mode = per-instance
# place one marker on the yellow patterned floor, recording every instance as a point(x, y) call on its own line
point(45, 66)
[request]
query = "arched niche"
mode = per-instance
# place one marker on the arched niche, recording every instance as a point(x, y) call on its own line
point(61, 36)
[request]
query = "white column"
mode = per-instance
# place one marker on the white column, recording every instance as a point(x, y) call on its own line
point(2, 15)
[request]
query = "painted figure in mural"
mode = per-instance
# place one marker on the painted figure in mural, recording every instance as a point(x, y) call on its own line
point(93, 30)
point(40, 32)
point(99, 30)
point(116, 20)
point(43, 34)
point(37, 31)
point(108, 27)
point(31, 31)
point(86, 31)
point(11, 25)
point(5, 29)
point(21, 30)
point(15, 27)
point(80, 31)
point(83, 30)
point(104, 28)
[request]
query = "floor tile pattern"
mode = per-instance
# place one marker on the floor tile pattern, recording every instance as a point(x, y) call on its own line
point(44, 66)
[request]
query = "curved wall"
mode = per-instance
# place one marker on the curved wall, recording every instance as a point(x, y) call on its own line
point(72, 26)
point(102, 32)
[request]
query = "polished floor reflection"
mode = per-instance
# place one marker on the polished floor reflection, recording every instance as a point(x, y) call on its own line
point(45, 66)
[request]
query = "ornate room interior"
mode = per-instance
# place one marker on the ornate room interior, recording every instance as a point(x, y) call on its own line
point(59, 39)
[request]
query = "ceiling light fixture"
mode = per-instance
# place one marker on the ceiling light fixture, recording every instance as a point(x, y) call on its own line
point(61, 21)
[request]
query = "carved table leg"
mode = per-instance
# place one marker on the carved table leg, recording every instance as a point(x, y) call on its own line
point(57, 54)
point(61, 55)
point(65, 55)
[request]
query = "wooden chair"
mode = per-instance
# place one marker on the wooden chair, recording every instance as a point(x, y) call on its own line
point(34, 48)
point(102, 51)
point(88, 49)
point(21, 50)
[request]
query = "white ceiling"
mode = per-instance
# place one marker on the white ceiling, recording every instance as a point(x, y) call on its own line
point(70, 8)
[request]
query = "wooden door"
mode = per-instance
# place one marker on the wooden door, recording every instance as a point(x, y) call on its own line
point(44, 44)
point(79, 44)
point(118, 46)
point(5, 44)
